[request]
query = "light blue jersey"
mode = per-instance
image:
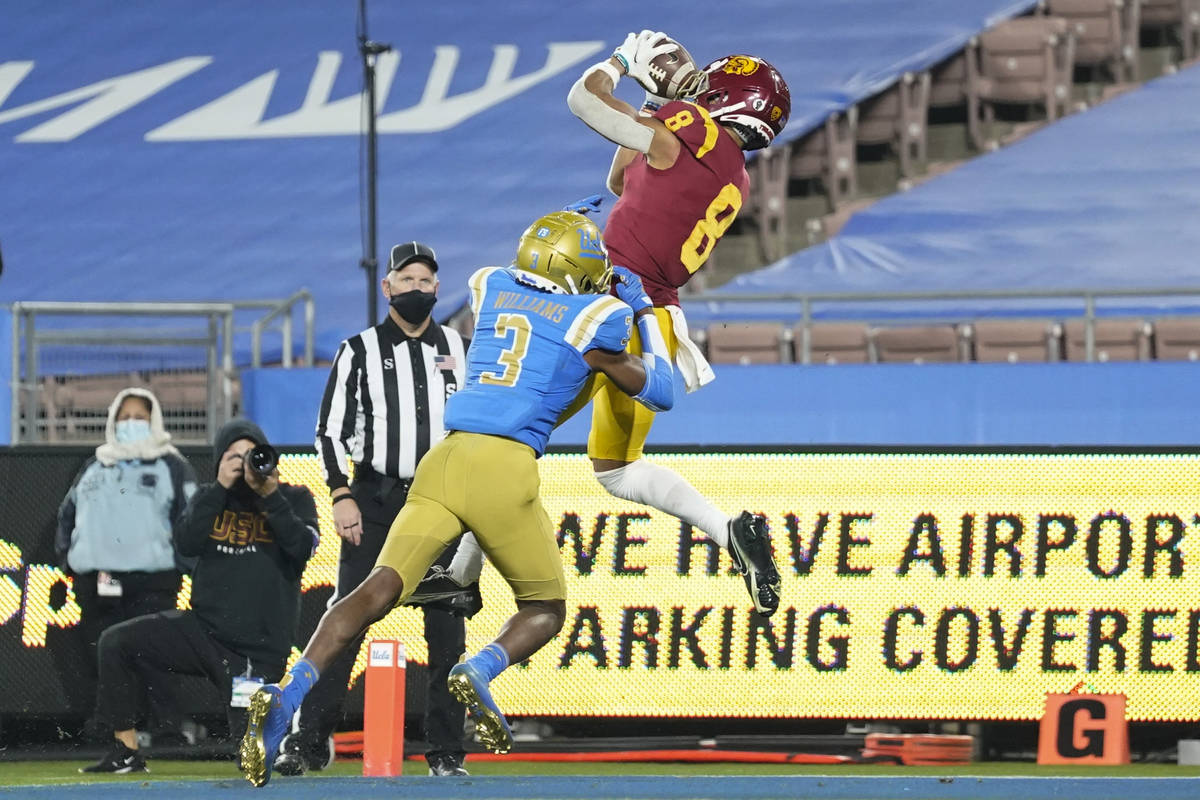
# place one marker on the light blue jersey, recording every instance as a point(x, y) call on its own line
point(525, 364)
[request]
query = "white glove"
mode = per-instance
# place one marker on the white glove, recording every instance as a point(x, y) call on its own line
point(637, 51)
point(627, 51)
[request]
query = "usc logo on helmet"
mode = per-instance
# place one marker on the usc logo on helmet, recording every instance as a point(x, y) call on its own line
point(741, 65)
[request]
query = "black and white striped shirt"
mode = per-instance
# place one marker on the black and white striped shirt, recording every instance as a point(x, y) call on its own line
point(384, 401)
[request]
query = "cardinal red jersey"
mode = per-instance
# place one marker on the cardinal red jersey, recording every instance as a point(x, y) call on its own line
point(667, 221)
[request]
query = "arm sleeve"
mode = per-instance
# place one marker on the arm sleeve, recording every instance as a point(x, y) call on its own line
point(66, 519)
point(336, 419)
point(194, 525)
point(293, 521)
point(183, 482)
point(183, 485)
point(607, 121)
point(659, 392)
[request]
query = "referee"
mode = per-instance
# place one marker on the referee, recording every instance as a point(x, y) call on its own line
point(383, 408)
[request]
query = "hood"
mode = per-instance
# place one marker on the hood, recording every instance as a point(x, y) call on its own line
point(156, 445)
point(230, 432)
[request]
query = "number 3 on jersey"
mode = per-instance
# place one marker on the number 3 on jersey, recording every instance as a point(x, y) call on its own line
point(511, 357)
point(716, 220)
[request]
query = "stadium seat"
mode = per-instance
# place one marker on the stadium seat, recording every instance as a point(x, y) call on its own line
point(184, 399)
point(834, 343)
point(918, 344)
point(181, 390)
point(81, 403)
point(1171, 14)
point(1177, 339)
point(897, 117)
point(950, 86)
point(1106, 33)
point(767, 202)
point(827, 154)
point(745, 343)
point(1016, 340)
point(1025, 61)
point(1115, 340)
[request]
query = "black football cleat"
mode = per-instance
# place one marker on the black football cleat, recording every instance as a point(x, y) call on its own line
point(750, 547)
point(121, 760)
point(438, 590)
point(442, 766)
point(297, 756)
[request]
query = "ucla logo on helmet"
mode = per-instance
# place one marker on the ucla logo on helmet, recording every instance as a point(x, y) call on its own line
point(741, 65)
point(542, 232)
point(591, 246)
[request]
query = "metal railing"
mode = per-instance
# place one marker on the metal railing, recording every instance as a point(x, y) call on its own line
point(282, 310)
point(975, 308)
point(208, 327)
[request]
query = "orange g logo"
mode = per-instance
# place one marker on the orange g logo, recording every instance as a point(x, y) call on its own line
point(740, 65)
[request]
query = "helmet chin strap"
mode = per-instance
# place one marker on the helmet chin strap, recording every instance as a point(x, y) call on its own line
point(538, 282)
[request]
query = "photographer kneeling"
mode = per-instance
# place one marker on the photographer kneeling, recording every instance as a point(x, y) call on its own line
point(251, 536)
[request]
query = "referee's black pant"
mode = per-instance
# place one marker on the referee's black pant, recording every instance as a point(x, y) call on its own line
point(380, 500)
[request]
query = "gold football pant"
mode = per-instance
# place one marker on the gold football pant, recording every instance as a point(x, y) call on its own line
point(620, 424)
point(489, 485)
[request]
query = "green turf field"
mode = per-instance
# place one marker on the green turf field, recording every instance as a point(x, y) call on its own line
point(17, 773)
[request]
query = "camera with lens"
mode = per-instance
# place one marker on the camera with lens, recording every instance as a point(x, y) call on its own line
point(262, 460)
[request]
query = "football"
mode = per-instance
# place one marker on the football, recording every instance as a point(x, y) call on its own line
point(675, 74)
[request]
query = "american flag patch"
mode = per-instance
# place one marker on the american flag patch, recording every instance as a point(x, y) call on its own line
point(444, 362)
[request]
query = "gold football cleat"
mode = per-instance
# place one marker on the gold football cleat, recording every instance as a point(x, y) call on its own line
point(490, 726)
point(253, 751)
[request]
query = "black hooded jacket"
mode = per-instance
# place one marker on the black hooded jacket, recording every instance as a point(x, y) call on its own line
point(251, 552)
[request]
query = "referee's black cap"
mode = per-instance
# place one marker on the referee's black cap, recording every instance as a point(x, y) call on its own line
point(406, 252)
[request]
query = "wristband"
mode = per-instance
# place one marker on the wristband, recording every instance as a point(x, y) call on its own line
point(340, 498)
point(609, 70)
point(624, 63)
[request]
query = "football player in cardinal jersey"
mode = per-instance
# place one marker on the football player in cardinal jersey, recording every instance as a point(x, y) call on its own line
point(680, 175)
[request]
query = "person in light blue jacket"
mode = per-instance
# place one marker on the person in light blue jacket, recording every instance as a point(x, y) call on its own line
point(114, 527)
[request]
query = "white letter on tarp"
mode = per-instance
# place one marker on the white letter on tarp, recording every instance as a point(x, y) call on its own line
point(239, 114)
point(108, 98)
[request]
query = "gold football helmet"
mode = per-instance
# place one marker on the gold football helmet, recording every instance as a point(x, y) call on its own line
point(566, 249)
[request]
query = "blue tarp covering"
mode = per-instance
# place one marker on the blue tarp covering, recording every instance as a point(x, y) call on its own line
point(5, 377)
point(181, 150)
point(1106, 199)
point(1068, 403)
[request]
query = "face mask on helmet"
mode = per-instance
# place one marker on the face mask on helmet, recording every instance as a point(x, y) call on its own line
point(565, 249)
point(750, 96)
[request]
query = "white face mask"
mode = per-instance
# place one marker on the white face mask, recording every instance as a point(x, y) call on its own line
point(132, 430)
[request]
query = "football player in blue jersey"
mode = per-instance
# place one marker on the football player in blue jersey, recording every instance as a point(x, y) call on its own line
point(542, 327)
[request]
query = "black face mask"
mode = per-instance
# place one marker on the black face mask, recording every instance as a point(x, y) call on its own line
point(413, 307)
